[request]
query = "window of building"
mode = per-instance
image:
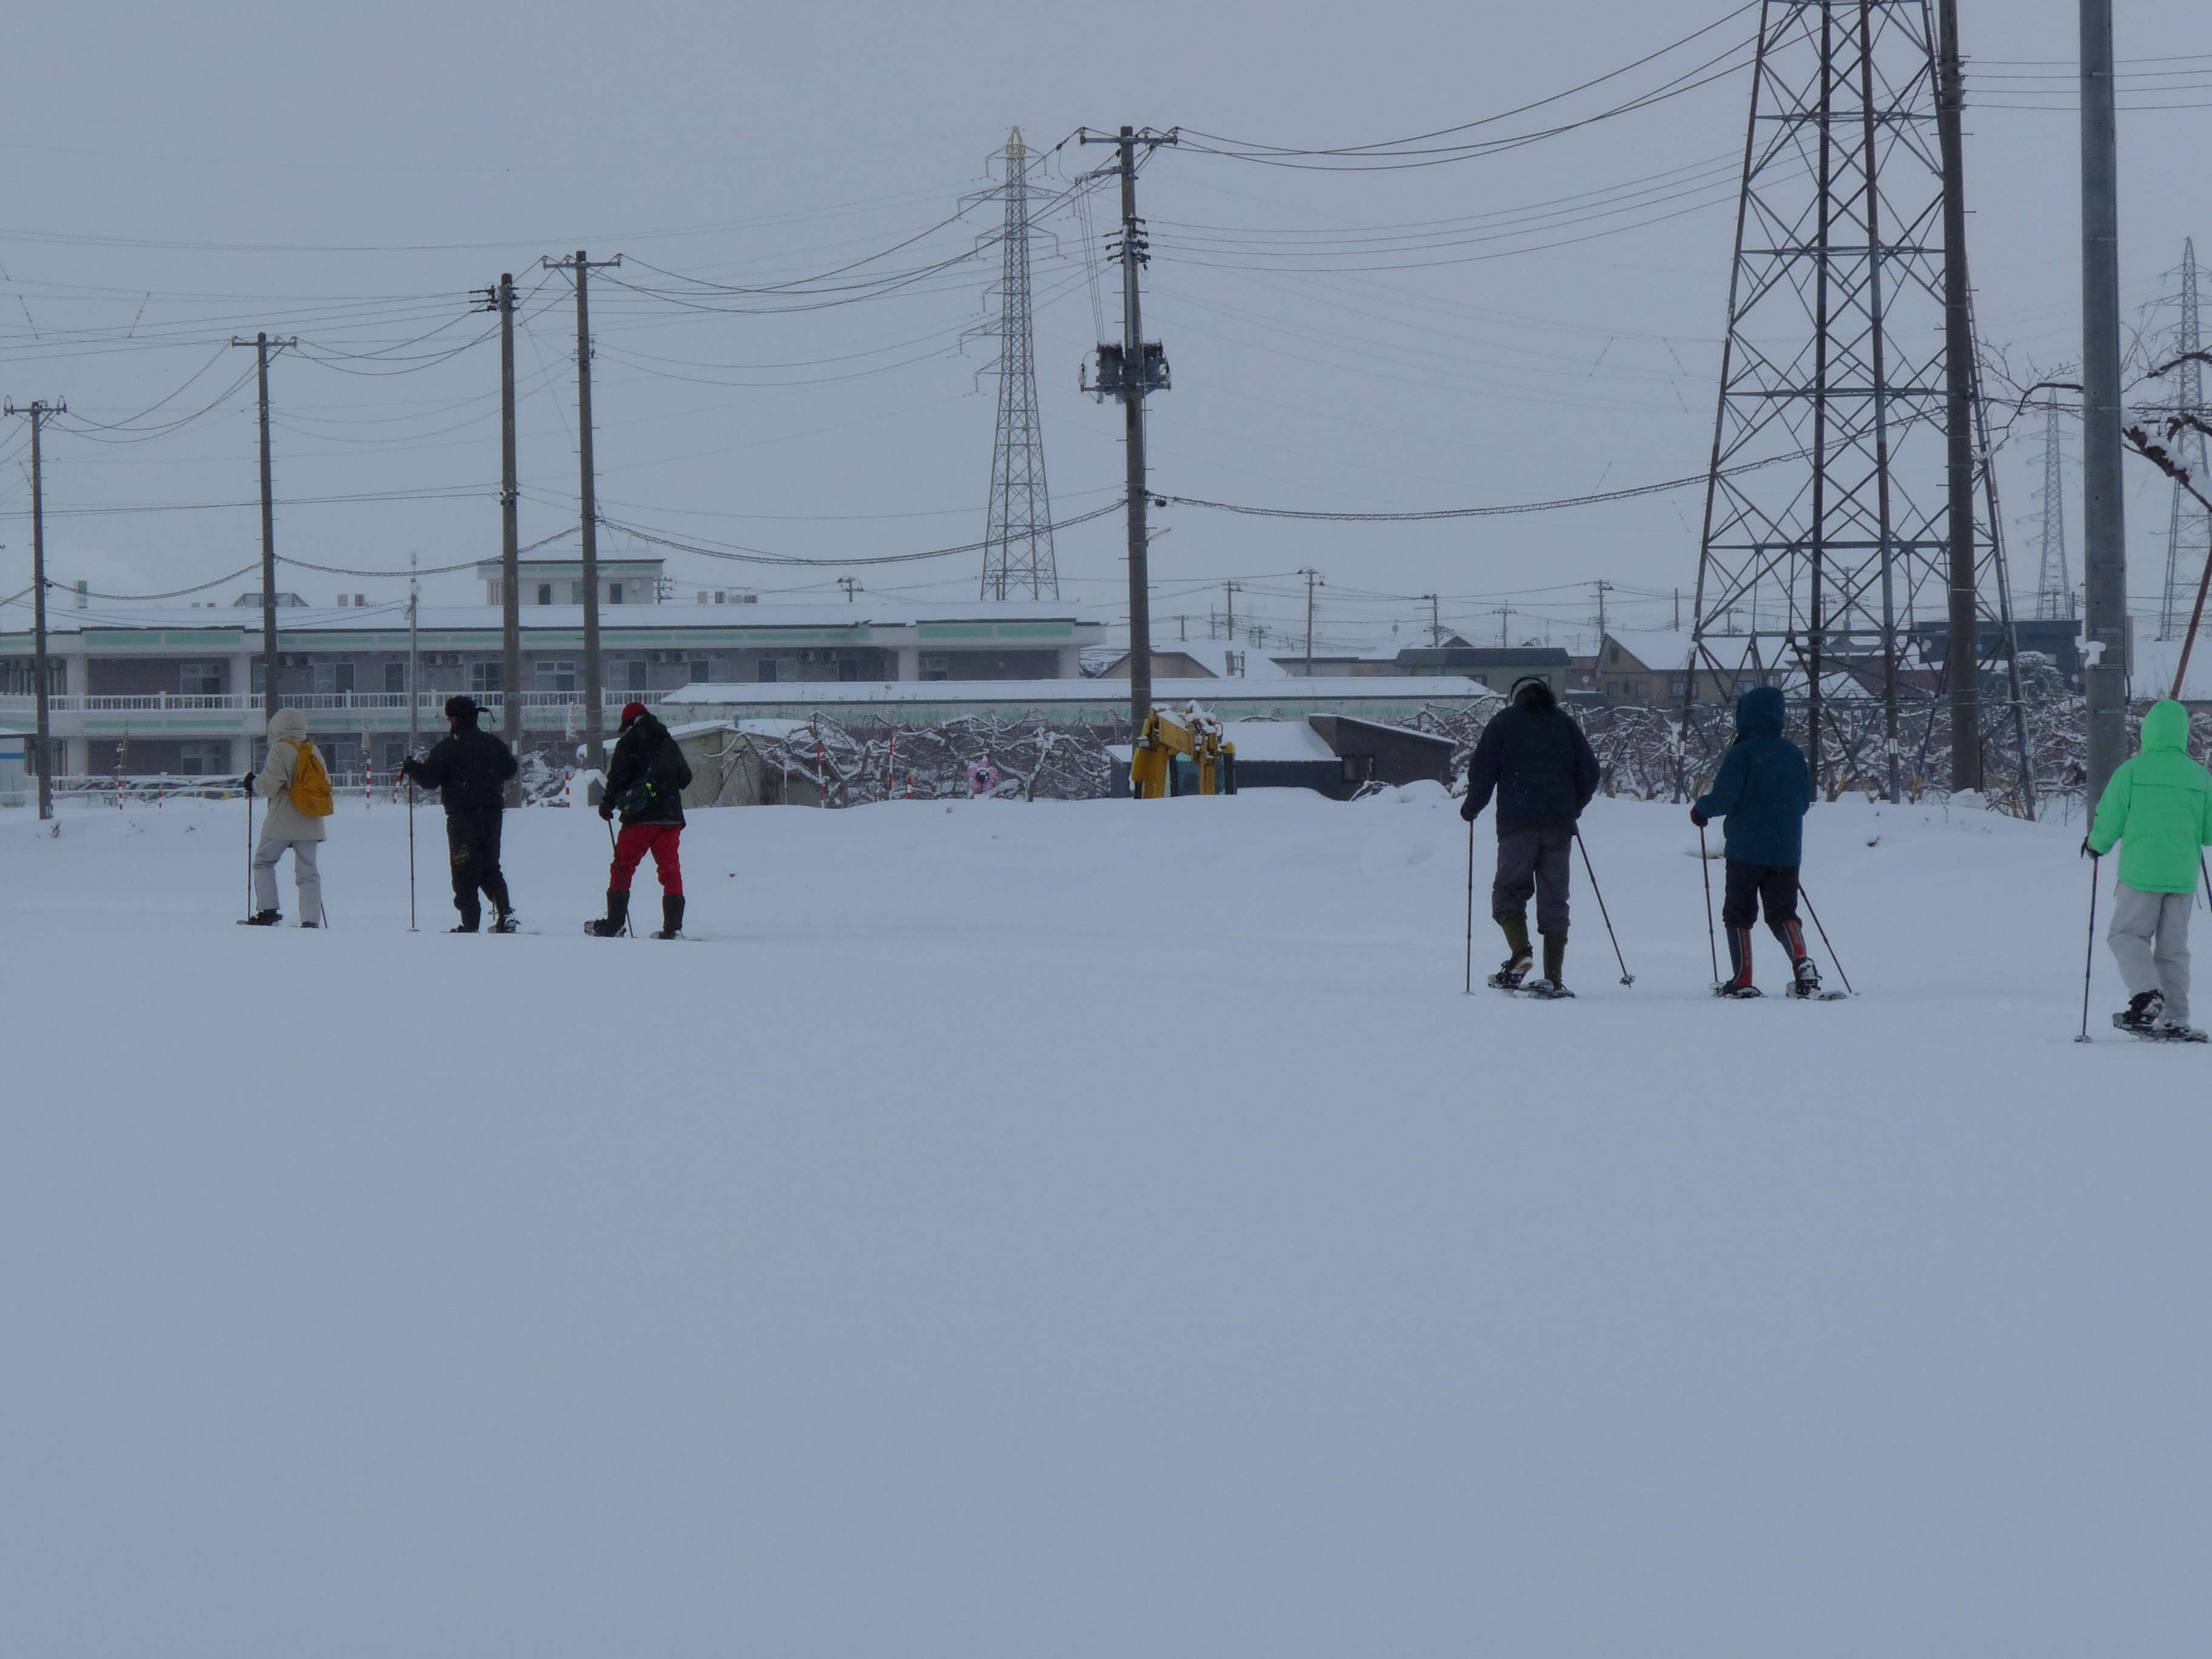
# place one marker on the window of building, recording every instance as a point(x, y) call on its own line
point(200, 679)
point(487, 677)
point(708, 671)
point(260, 675)
point(1674, 686)
point(1613, 653)
point(575, 592)
point(1644, 690)
point(395, 750)
point(203, 760)
point(395, 676)
point(331, 678)
point(936, 668)
point(1613, 688)
point(614, 593)
point(545, 593)
point(636, 676)
point(556, 676)
point(767, 671)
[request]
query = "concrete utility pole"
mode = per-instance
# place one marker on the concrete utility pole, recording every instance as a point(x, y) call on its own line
point(1231, 590)
point(1312, 578)
point(37, 410)
point(1138, 372)
point(263, 345)
point(595, 754)
point(849, 585)
point(1435, 621)
point(1603, 588)
point(510, 538)
point(2104, 554)
point(1959, 412)
point(414, 694)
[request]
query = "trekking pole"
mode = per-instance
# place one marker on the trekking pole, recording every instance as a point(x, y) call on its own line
point(1470, 906)
point(1833, 956)
point(1712, 942)
point(1626, 978)
point(410, 855)
point(249, 855)
point(2089, 956)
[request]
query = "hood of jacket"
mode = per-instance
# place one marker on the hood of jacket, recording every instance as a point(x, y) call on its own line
point(2165, 727)
point(1759, 713)
point(288, 725)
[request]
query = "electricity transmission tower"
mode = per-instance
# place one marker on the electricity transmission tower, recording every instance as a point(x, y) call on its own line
point(2189, 531)
point(1827, 508)
point(1018, 537)
point(2054, 587)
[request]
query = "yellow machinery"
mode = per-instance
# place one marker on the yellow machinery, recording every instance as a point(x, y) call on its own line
point(1193, 734)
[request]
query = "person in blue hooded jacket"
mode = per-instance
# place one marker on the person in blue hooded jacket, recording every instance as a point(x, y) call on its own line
point(1761, 795)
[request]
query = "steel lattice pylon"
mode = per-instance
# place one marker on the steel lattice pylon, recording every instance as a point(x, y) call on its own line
point(2189, 531)
point(1826, 547)
point(1018, 556)
point(2054, 590)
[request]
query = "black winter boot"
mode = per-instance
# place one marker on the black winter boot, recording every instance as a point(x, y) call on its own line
point(672, 916)
point(617, 916)
point(1555, 959)
point(262, 919)
point(1517, 966)
point(1738, 984)
point(2142, 1013)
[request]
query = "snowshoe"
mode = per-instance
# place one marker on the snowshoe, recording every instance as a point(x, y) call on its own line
point(1547, 990)
point(617, 916)
point(2168, 1031)
point(1739, 990)
point(506, 924)
point(1511, 973)
point(2141, 1014)
point(262, 919)
point(604, 928)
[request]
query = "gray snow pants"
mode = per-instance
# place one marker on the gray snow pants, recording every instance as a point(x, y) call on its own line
point(1532, 861)
point(303, 871)
point(2137, 919)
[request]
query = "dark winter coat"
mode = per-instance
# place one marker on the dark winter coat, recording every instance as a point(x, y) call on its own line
point(469, 770)
point(647, 775)
point(1536, 760)
point(1763, 790)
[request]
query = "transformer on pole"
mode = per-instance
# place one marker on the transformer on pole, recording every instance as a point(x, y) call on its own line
point(1017, 558)
point(1827, 507)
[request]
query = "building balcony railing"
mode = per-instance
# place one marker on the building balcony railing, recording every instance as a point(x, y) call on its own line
point(163, 702)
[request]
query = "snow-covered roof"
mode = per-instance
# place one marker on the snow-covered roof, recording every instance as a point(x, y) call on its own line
point(613, 619)
point(1168, 694)
point(1665, 648)
point(1276, 740)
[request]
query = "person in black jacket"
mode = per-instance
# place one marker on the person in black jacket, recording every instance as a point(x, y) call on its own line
point(1534, 758)
point(469, 769)
point(646, 781)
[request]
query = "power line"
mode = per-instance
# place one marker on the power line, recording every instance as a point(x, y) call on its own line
point(1506, 511)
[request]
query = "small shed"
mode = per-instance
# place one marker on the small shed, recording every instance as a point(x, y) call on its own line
point(726, 769)
point(1368, 751)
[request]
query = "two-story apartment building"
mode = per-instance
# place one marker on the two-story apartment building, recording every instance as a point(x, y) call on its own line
point(180, 691)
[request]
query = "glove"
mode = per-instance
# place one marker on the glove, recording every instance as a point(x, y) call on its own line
point(246, 783)
point(1699, 818)
point(2088, 851)
point(1467, 809)
point(607, 810)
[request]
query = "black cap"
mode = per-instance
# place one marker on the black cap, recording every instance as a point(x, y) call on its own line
point(462, 708)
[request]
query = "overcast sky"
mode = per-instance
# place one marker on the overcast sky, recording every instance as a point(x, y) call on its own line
point(176, 175)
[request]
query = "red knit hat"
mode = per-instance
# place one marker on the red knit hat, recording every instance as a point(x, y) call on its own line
point(630, 712)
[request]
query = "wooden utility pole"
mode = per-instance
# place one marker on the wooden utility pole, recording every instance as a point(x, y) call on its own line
point(595, 753)
point(1138, 373)
point(40, 691)
point(510, 555)
point(1312, 577)
point(263, 345)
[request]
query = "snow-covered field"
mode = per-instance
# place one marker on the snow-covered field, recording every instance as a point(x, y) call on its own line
point(1088, 1229)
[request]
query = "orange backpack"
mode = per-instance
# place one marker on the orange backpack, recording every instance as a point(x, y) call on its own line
point(310, 793)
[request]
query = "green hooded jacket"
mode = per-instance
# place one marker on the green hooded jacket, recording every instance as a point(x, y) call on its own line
point(2160, 804)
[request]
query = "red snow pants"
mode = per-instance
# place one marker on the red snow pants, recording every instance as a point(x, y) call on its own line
point(631, 846)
